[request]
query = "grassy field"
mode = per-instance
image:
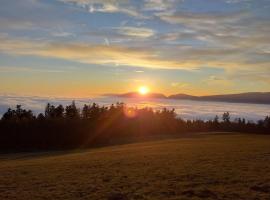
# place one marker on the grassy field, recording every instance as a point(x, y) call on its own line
point(235, 166)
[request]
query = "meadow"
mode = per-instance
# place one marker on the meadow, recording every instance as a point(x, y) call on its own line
point(198, 166)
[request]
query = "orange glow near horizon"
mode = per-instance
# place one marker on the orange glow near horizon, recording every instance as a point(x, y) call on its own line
point(130, 112)
point(143, 90)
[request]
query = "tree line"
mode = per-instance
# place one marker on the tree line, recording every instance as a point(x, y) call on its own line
point(70, 127)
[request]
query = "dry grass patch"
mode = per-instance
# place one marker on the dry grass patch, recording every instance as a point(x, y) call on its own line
point(205, 167)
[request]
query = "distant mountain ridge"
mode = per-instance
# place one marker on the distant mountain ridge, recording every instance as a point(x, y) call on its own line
point(137, 95)
point(249, 97)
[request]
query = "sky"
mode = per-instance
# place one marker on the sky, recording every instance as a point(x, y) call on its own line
point(80, 48)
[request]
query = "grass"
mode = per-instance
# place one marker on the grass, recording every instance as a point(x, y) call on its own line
point(234, 166)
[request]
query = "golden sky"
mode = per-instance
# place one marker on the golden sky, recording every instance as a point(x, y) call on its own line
point(80, 48)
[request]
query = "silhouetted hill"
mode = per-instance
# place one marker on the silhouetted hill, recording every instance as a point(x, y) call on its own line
point(183, 96)
point(250, 97)
point(137, 95)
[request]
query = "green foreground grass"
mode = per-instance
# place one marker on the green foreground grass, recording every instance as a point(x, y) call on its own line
point(207, 166)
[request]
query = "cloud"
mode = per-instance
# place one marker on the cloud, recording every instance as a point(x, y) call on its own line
point(106, 41)
point(35, 103)
point(110, 55)
point(15, 24)
point(138, 32)
point(176, 35)
point(159, 5)
point(237, 1)
point(185, 58)
point(185, 109)
point(179, 84)
point(11, 69)
point(240, 37)
point(62, 34)
point(123, 35)
point(31, 15)
point(91, 54)
point(237, 29)
point(215, 78)
point(219, 81)
point(261, 75)
point(189, 18)
point(107, 6)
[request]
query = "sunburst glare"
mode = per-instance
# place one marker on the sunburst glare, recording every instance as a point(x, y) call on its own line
point(143, 90)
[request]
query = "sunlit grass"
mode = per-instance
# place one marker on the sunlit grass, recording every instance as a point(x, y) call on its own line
point(198, 167)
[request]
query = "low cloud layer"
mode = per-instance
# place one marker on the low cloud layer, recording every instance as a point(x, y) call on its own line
point(185, 109)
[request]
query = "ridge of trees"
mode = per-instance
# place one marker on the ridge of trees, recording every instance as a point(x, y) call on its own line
point(70, 127)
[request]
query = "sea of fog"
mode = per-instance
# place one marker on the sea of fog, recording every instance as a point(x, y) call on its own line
point(185, 109)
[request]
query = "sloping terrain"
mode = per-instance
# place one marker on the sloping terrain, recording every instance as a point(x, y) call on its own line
point(234, 166)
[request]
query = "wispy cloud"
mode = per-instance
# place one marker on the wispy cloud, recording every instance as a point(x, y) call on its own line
point(62, 34)
point(179, 84)
point(237, 1)
point(15, 69)
point(188, 58)
point(191, 18)
point(160, 5)
point(107, 6)
point(15, 24)
point(219, 81)
point(231, 36)
point(92, 54)
point(139, 32)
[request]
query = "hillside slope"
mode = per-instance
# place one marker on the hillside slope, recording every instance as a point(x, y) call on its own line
point(203, 167)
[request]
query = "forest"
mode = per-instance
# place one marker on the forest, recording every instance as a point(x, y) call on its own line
point(71, 127)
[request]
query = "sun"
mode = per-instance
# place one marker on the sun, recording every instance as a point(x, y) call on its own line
point(143, 90)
